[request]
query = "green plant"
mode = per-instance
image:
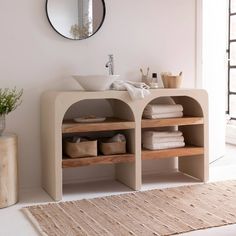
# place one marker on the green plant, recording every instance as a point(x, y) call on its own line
point(10, 99)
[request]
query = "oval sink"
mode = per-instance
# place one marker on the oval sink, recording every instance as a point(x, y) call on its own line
point(95, 82)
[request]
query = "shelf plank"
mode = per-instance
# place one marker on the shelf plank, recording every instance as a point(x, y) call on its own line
point(70, 126)
point(127, 158)
point(174, 152)
point(149, 123)
point(88, 161)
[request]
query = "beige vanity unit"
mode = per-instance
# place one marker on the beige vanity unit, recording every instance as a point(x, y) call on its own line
point(127, 116)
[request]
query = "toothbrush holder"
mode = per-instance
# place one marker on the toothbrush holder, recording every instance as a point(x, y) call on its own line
point(147, 80)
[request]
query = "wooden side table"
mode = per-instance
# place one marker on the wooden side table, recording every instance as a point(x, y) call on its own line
point(8, 170)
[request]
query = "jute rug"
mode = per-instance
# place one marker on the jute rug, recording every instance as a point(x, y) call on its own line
point(156, 212)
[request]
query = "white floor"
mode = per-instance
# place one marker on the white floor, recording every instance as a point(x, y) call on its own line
point(14, 223)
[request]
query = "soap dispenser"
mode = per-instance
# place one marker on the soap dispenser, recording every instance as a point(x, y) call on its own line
point(154, 83)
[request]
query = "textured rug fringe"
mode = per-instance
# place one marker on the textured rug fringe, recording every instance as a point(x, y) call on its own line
point(33, 221)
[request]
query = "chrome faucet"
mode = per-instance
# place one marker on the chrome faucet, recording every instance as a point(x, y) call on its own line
point(110, 64)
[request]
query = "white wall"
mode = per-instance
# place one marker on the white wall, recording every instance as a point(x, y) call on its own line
point(214, 59)
point(155, 33)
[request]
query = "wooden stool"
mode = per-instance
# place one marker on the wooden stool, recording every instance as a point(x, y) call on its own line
point(8, 170)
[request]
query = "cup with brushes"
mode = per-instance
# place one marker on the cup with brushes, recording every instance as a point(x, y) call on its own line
point(145, 78)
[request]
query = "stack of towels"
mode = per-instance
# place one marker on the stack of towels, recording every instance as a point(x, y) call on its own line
point(157, 140)
point(157, 111)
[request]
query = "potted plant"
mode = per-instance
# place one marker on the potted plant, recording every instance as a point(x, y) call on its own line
point(10, 99)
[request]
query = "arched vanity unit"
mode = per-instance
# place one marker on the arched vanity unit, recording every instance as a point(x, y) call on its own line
point(192, 159)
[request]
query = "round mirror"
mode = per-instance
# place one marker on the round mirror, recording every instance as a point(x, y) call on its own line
point(76, 19)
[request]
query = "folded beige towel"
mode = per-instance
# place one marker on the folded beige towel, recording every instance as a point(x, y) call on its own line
point(163, 115)
point(155, 140)
point(152, 109)
point(161, 134)
point(160, 146)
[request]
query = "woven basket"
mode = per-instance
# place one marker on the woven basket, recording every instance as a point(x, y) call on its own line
point(170, 81)
point(112, 148)
point(82, 149)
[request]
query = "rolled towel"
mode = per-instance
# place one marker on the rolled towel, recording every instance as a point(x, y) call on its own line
point(152, 109)
point(153, 140)
point(164, 115)
point(161, 134)
point(160, 146)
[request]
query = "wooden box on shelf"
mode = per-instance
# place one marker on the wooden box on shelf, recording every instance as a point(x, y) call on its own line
point(81, 149)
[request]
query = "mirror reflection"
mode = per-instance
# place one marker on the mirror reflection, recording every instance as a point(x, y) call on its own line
point(76, 19)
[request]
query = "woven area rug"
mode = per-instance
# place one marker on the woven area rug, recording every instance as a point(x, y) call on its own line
point(155, 212)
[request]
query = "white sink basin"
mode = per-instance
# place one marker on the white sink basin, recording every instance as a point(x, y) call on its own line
point(95, 82)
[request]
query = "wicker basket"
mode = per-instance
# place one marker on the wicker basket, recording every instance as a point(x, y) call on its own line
point(112, 148)
point(170, 81)
point(82, 149)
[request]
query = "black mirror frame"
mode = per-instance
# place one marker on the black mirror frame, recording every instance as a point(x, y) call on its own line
point(103, 18)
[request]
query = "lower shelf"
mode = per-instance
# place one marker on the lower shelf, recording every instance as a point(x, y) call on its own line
point(125, 158)
point(87, 161)
point(110, 187)
point(174, 152)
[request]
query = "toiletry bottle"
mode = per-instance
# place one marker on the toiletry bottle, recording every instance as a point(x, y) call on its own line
point(154, 77)
point(154, 83)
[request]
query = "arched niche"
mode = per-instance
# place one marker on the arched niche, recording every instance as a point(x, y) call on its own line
point(195, 135)
point(109, 108)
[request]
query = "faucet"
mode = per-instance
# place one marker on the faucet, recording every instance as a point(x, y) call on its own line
point(110, 64)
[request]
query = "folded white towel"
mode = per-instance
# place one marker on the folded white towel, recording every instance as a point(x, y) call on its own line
point(140, 85)
point(159, 146)
point(155, 140)
point(152, 109)
point(136, 90)
point(161, 134)
point(163, 115)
